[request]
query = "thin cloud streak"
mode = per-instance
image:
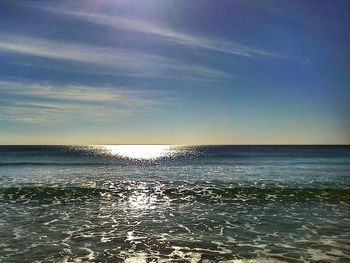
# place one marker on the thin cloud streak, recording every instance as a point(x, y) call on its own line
point(49, 103)
point(34, 113)
point(170, 35)
point(122, 60)
point(74, 51)
point(77, 93)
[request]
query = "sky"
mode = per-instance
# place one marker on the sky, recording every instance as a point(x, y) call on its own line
point(175, 72)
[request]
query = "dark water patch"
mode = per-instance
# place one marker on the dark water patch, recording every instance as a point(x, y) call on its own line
point(257, 193)
point(49, 192)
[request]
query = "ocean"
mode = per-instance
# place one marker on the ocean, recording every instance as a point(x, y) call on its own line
point(159, 203)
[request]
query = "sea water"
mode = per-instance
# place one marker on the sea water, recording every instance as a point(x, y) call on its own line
point(159, 203)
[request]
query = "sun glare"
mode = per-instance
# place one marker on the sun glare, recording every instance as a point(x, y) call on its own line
point(141, 152)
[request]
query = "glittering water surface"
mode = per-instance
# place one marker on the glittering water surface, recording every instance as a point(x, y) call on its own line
point(174, 203)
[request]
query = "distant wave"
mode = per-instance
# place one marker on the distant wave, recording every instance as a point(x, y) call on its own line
point(108, 162)
point(205, 193)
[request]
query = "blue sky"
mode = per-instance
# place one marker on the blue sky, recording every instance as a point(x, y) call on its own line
point(177, 72)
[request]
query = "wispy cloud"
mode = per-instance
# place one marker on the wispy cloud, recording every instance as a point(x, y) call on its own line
point(121, 61)
point(170, 35)
point(47, 103)
point(76, 52)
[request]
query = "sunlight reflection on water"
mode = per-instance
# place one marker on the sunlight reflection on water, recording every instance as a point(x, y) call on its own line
point(140, 152)
point(141, 201)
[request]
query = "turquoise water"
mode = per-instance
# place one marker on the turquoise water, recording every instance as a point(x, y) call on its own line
point(175, 203)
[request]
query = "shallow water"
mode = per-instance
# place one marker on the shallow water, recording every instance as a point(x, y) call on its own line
point(182, 204)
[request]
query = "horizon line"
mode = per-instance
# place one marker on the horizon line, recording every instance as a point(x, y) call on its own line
point(145, 144)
